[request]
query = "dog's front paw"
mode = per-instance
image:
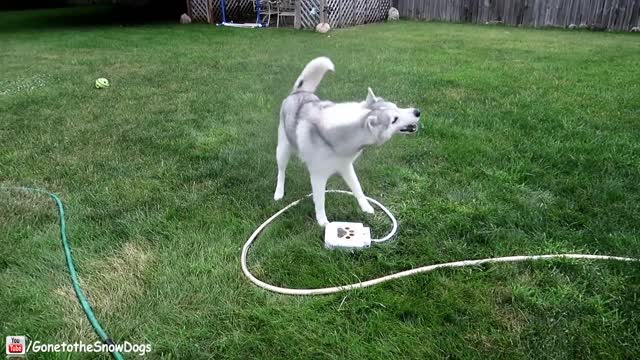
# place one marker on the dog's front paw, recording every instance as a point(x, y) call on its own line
point(366, 207)
point(323, 222)
point(278, 194)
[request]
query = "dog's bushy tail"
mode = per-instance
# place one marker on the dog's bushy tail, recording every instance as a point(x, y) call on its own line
point(313, 74)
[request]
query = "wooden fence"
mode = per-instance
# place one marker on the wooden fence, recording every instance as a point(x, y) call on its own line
point(211, 12)
point(340, 13)
point(620, 15)
point(308, 13)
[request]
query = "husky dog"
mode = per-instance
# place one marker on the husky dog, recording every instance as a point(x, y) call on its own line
point(329, 137)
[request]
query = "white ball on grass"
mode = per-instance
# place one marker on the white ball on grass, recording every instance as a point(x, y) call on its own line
point(394, 14)
point(185, 19)
point(323, 28)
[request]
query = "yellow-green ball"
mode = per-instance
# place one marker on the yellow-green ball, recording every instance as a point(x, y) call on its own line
point(102, 83)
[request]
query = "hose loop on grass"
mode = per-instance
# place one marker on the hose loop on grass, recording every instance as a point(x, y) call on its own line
point(398, 275)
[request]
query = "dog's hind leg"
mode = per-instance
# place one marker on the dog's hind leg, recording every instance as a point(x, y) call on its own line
point(319, 186)
point(349, 176)
point(283, 153)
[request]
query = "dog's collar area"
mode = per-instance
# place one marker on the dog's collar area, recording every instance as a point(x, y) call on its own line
point(302, 91)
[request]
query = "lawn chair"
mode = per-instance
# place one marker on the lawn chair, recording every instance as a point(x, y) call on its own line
point(267, 8)
point(286, 8)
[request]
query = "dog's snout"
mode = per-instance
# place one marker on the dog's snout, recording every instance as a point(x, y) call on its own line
point(416, 112)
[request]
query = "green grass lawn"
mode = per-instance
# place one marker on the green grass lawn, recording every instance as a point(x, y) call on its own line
point(530, 144)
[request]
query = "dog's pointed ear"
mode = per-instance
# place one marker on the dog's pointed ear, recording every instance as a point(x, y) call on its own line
point(371, 97)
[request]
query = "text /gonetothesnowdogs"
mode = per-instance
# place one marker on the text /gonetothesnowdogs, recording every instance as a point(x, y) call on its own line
point(329, 136)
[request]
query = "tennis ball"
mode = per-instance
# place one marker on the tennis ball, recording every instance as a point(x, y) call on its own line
point(102, 83)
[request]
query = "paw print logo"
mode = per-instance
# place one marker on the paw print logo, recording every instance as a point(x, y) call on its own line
point(346, 232)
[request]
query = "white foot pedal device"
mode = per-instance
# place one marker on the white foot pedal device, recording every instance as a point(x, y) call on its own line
point(346, 235)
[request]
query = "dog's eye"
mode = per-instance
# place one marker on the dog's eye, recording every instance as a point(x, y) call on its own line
point(395, 120)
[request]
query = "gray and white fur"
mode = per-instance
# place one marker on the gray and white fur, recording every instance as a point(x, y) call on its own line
point(329, 136)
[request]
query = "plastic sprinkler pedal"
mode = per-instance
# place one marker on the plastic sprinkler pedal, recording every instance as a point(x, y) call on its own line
point(346, 235)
